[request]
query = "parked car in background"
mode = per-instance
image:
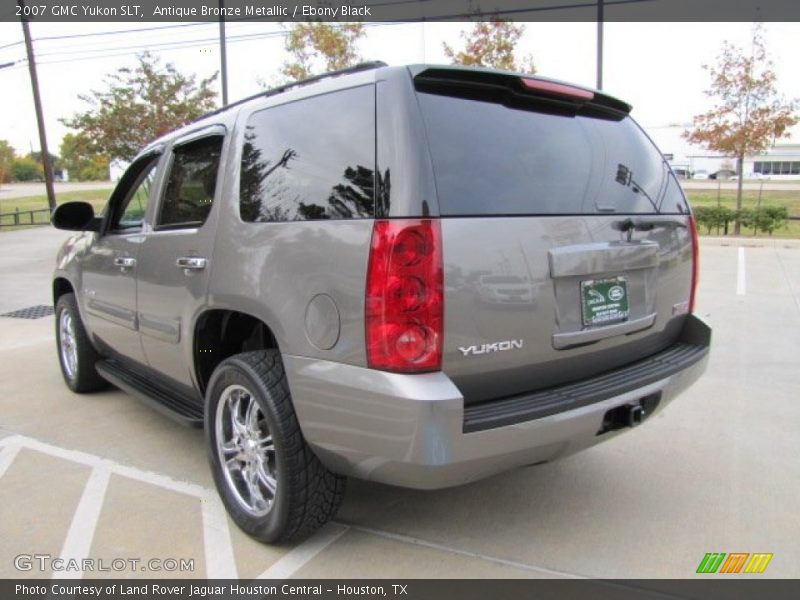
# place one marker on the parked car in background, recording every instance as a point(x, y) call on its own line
point(700, 174)
point(723, 174)
point(681, 172)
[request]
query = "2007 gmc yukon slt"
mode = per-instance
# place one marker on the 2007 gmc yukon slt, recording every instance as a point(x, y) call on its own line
point(415, 275)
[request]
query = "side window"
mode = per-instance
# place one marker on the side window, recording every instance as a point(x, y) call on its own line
point(311, 159)
point(134, 190)
point(192, 179)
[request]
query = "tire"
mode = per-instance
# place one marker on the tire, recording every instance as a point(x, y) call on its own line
point(76, 355)
point(251, 424)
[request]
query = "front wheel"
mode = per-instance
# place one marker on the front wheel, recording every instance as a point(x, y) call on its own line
point(274, 487)
point(76, 355)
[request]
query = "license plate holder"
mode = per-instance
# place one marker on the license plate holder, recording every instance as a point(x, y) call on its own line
point(604, 301)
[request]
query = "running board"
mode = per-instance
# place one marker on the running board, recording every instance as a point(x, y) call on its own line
point(176, 406)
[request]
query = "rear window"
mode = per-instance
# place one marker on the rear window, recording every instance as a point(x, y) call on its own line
point(490, 159)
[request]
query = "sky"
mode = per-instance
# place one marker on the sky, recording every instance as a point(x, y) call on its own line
point(656, 67)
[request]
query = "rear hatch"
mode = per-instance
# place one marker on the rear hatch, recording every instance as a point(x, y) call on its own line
point(566, 239)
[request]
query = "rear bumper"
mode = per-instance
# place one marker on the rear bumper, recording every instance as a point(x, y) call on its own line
point(412, 431)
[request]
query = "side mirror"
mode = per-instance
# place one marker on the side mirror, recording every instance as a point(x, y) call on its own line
point(75, 216)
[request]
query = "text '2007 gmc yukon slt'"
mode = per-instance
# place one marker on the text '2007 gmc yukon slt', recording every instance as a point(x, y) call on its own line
point(415, 275)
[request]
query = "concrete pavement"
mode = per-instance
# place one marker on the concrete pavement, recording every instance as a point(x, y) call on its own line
point(103, 476)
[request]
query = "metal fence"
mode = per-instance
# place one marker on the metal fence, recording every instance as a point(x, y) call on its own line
point(38, 216)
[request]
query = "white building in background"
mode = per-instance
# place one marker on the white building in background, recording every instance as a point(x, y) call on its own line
point(116, 169)
point(782, 161)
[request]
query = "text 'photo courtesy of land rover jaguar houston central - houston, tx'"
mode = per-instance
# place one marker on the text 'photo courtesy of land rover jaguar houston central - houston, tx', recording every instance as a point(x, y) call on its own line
point(419, 276)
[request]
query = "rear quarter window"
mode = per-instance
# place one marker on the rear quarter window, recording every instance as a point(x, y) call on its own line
point(311, 159)
point(490, 159)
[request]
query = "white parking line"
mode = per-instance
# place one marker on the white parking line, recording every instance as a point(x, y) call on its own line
point(9, 452)
point(441, 547)
point(741, 281)
point(220, 562)
point(84, 522)
point(218, 547)
point(293, 560)
point(91, 460)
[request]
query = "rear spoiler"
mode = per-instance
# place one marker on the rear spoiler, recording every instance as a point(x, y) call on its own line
point(518, 91)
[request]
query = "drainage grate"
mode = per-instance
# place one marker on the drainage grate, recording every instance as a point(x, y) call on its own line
point(32, 312)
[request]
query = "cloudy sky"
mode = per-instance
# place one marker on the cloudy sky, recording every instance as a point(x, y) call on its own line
point(656, 67)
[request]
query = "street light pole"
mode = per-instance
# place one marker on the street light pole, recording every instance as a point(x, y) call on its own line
point(599, 44)
point(222, 53)
point(37, 102)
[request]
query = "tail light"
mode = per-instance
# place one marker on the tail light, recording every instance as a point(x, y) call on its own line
point(695, 259)
point(404, 301)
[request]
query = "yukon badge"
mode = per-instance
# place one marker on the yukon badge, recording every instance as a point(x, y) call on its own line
point(493, 347)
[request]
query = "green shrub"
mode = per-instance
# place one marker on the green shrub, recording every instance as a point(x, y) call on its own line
point(26, 169)
point(766, 218)
point(714, 217)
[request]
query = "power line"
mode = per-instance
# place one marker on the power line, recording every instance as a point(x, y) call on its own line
point(141, 40)
point(104, 33)
point(119, 31)
point(19, 43)
point(168, 46)
point(110, 52)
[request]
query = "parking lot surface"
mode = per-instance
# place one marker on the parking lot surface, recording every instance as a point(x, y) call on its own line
point(102, 476)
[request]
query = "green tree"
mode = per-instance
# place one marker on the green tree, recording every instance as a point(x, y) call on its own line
point(26, 168)
point(749, 115)
point(82, 160)
point(319, 47)
point(491, 44)
point(6, 159)
point(141, 104)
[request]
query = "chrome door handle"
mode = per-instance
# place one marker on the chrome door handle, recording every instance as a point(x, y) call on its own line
point(191, 263)
point(124, 262)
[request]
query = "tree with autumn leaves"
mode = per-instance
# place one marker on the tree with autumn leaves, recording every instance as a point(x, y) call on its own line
point(139, 105)
point(491, 44)
point(749, 114)
point(317, 46)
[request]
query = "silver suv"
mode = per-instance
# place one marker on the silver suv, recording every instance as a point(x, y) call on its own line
point(414, 275)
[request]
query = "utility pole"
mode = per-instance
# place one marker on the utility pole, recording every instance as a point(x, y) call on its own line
point(222, 53)
point(37, 102)
point(599, 44)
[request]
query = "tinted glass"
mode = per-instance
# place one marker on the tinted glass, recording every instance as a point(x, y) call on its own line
point(492, 160)
point(130, 213)
point(192, 180)
point(311, 159)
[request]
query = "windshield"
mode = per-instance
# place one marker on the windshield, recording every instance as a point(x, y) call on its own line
point(489, 159)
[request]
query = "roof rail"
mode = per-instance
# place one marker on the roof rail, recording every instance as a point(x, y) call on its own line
point(365, 66)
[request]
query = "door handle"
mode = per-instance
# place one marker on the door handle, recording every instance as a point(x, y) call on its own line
point(124, 262)
point(191, 263)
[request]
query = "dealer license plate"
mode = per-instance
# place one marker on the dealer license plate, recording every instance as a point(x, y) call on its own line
point(604, 300)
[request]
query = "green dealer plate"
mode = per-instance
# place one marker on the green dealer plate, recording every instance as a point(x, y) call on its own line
point(604, 300)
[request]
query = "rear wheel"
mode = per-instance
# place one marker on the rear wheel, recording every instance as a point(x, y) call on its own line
point(76, 354)
point(272, 484)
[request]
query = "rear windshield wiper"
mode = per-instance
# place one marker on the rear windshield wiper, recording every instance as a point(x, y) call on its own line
point(630, 225)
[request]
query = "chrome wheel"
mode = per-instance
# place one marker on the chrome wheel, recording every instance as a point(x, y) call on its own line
point(246, 450)
point(67, 343)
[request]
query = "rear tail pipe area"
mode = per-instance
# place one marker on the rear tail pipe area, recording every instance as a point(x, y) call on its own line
point(629, 415)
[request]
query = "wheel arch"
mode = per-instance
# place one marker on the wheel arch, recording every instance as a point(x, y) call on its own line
point(61, 286)
point(220, 333)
